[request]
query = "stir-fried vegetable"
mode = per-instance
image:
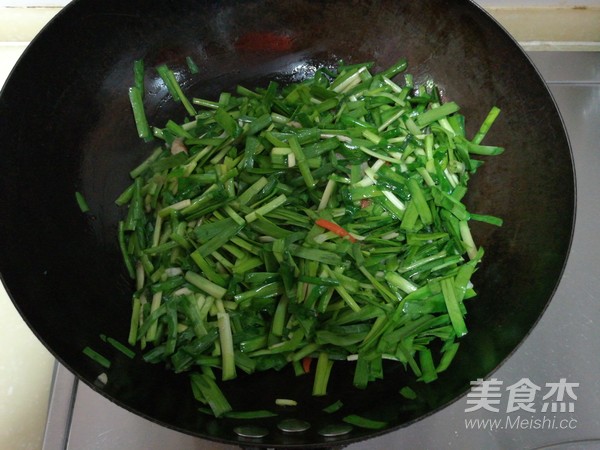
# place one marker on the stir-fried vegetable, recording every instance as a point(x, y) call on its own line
point(315, 222)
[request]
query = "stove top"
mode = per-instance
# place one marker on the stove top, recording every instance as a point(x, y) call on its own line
point(547, 393)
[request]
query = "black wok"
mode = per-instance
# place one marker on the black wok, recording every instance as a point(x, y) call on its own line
point(66, 126)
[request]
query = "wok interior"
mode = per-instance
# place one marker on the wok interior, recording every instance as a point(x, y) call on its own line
point(69, 127)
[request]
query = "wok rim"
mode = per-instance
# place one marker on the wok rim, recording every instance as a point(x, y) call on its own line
point(341, 442)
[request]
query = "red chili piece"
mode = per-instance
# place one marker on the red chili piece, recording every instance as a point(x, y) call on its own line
point(335, 228)
point(306, 361)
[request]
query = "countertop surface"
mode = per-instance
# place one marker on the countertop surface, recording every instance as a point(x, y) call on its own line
point(26, 366)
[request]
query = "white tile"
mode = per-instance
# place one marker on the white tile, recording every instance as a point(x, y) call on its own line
point(22, 24)
point(28, 3)
point(9, 54)
point(25, 375)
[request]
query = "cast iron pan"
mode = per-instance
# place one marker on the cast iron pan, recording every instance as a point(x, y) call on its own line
point(67, 126)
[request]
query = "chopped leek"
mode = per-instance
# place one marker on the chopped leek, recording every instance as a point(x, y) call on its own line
point(322, 220)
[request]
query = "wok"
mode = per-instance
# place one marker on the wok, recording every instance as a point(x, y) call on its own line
point(67, 126)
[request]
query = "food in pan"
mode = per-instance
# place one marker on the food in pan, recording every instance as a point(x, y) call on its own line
point(303, 224)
